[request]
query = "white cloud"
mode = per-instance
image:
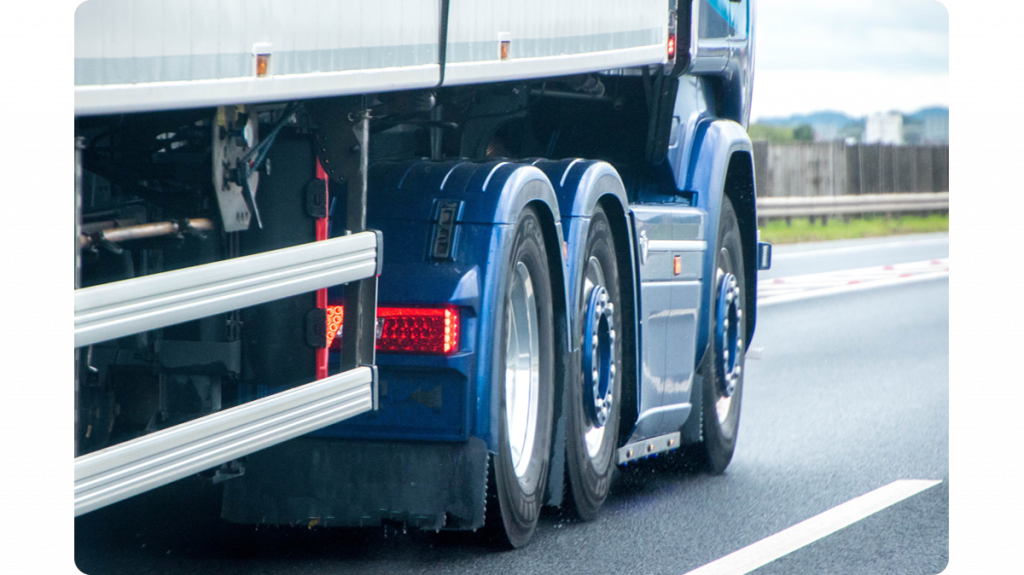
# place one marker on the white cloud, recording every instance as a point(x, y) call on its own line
point(855, 56)
point(786, 92)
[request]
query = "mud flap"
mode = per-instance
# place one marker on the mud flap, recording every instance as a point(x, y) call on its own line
point(362, 483)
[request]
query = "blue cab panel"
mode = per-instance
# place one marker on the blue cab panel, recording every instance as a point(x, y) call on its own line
point(671, 243)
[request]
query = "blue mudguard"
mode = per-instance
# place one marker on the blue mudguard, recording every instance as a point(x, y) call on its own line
point(450, 397)
point(714, 143)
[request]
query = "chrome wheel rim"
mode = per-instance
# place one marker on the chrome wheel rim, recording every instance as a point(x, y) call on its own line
point(601, 342)
point(522, 370)
point(729, 332)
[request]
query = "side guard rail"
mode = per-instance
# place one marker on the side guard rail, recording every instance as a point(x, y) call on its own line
point(115, 473)
point(123, 308)
point(131, 306)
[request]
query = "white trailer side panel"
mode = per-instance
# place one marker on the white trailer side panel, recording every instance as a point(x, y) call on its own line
point(552, 38)
point(141, 55)
point(138, 55)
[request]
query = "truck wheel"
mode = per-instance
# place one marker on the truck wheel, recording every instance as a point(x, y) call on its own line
point(594, 395)
point(525, 382)
point(723, 368)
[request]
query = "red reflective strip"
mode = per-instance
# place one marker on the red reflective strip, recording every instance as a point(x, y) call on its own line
point(321, 294)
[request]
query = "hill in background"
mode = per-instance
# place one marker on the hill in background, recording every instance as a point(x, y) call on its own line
point(928, 125)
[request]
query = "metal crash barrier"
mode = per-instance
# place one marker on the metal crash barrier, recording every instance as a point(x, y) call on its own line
point(795, 206)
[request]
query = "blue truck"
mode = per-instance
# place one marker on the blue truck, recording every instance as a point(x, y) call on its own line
point(435, 262)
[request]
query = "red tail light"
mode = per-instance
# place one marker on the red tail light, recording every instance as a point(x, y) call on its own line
point(671, 46)
point(414, 330)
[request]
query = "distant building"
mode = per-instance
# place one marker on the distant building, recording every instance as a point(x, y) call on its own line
point(936, 130)
point(884, 128)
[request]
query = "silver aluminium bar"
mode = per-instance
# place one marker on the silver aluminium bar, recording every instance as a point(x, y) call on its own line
point(115, 473)
point(677, 245)
point(78, 261)
point(123, 308)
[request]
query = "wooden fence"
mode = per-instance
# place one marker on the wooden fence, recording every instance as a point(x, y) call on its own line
point(835, 169)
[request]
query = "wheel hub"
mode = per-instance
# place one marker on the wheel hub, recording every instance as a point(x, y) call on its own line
point(598, 357)
point(522, 371)
point(728, 335)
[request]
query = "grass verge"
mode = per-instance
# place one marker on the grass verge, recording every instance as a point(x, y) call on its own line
point(802, 230)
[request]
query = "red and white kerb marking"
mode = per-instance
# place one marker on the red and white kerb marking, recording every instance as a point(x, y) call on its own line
point(780, 290)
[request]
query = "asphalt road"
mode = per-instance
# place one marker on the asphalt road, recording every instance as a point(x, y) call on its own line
point(849, 393)
point(816, 257)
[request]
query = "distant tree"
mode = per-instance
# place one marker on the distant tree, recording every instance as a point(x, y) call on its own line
point(771, 134)
point(803, 133)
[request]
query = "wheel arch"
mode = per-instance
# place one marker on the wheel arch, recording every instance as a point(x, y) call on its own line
point(581, 186)
point(739, 188)
point(563, 364)
point(622, 236)
point(722, 166)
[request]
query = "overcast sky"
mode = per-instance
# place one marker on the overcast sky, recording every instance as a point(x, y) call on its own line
point(852, 56)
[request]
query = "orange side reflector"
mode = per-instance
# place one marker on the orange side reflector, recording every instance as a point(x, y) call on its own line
point(677, 265)
point(335, 317)
point(262, 64)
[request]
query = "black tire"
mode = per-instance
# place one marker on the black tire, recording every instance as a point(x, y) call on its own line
point(714, 453)
point(590, 467)
point(515, 498)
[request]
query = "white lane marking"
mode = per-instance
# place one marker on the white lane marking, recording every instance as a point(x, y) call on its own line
point(806, 532)
point(794, 288)
point(858, 248)
point(810, 294)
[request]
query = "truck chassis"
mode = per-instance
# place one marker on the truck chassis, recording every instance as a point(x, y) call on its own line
point(569, 284)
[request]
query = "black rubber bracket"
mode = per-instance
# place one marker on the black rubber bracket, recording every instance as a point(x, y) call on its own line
point(316, 327)
point(316, 198)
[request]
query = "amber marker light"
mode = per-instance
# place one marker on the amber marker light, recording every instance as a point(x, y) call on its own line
point(262, 65)
point(677, 265)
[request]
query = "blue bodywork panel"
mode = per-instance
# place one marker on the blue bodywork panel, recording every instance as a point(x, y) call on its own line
point(671, 245)
point(452, 398)
point(699, 156)
point(492, 195)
